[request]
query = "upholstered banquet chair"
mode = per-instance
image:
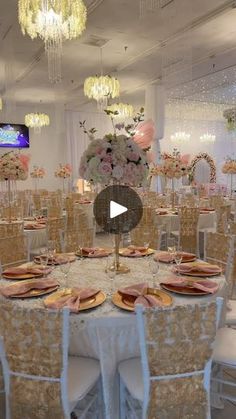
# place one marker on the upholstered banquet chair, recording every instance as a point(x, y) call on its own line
point(171, 380)
point(13, 250)
point(73, 239)
point(54, 226)
point(219, 250)
point(188, 229)
point(41, 381)
point(11, 229)
point(147, 230)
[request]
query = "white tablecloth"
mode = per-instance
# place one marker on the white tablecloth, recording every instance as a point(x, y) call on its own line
point(108, 333)
point(171, 221)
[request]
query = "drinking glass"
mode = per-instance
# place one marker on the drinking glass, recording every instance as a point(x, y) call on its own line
point(171, 248)
point(154, 268)
point(43, 257)
point(65, 267)
point(51, 252)
point(178, 260)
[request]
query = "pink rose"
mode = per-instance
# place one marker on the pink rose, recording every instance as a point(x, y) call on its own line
point(105, 168)
point(133, 156)
point(108, 158)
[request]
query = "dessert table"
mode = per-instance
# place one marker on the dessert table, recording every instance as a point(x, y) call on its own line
point(108, 333)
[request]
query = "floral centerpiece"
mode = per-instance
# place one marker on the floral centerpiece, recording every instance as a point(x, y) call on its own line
point(229, 166)
point(172, 166)
point(38, 172)
point(14, 166)
point(64, 171)
point(114, 159)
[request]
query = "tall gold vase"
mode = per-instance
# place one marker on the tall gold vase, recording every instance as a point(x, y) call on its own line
point(117, 266)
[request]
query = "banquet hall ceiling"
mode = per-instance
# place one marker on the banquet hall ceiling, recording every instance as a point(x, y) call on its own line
point(184, 40)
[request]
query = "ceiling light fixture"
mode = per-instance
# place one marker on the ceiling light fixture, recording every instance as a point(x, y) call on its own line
point(121, 110)
point(180, 137)
point(101, 88)
point(53, 21)
point(207, 138)
point(37, 121)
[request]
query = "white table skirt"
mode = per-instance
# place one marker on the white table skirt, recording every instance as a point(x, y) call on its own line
point(108, 333)
point(171, 221)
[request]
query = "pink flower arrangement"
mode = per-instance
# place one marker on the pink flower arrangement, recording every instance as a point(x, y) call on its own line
point(114, 159)
point(229, 166)
point(172, 166)
point(64, 171)
point(38, 172)
point(14, 166)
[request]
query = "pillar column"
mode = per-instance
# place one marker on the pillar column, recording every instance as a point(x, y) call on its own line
point(155, 110)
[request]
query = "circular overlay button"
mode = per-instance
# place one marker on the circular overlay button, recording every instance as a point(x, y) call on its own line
point(118, 209)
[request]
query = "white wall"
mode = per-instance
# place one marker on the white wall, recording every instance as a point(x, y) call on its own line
point(47, 149)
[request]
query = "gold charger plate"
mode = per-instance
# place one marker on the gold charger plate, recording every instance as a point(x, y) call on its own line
point(87, 304)
point(35, 292)
point(172, 261)
point(71, 257)
point(200, 274)
point(185, 290)
point(146, 253)
point(128, 303)
point(108, 253)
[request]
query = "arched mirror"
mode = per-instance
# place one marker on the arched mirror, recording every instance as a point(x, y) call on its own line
point(203, 169)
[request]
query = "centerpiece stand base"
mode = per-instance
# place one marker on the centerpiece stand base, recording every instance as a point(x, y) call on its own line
point(116, 266)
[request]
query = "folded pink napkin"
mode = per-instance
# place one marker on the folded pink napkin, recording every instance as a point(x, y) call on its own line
point(94, 252)
point(134, 251)
point(167, 257)
point(34, 226)
point(203, 285)
point(140, 292)
point(18, 270)
point(23, 287)
point(73, 300)
point(199, 268)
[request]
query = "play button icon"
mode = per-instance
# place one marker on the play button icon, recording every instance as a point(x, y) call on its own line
point(118, 209)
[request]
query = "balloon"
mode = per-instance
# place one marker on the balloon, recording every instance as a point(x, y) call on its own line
point(144, 135)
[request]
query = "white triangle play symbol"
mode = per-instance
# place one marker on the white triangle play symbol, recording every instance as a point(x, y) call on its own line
point(116, 209)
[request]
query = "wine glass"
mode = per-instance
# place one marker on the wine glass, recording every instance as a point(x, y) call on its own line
point(64, 264)
point(154, 268)
point(111, 273)
point(43, 257)
point(171, 248)
point(178, 260)
point(51, 252)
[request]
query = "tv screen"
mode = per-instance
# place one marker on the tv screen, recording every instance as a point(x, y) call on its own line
point(14, 135)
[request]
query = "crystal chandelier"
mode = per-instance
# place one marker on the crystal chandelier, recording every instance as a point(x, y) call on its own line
point(121, 110)
point(53, 21)
point(207, 138)
point(37, 121)
point(101, 89)
point(180, 137)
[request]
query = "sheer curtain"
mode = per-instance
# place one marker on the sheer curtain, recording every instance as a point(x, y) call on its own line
point(77, 141)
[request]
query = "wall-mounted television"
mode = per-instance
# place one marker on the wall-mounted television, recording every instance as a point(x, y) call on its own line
point(14, 135)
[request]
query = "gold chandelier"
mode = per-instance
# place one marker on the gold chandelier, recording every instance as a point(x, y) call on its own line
point(37, 121)
point(121, 110)
point(53, 21)
point(101, 89)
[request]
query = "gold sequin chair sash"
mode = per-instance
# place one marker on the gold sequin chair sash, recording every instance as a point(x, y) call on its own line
point(11, 229)
point(54, 226)
point(147, 230)
point(35, 369)
point(176, 348)
point(219, 250)
point(188, 231)
point(73, 239)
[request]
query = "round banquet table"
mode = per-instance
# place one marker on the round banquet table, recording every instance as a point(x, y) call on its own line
point(171, 221)
point(108, 333)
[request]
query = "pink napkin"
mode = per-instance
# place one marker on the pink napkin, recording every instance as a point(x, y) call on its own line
point(203, 285)
point(167, 258)
point(73, 300)
point(134, 251)
point(18, 270)
point(34, 226)
point(94, 252)
point(140, 292)
point(199, 268)
point(23, 287)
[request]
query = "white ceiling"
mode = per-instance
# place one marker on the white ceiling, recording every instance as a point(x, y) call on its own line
point(184, 41)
